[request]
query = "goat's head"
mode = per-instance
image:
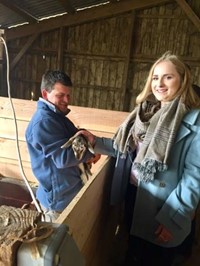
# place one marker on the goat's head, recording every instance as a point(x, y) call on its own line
point(79, 145)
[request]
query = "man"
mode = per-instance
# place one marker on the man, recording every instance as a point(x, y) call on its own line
point(55, 168)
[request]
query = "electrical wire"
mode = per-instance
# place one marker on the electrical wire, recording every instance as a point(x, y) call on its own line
point(16, 132)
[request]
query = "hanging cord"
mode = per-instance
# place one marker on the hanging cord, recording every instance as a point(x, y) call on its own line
point(16, 133)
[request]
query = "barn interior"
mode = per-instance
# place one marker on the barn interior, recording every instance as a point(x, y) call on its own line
point(107, 48)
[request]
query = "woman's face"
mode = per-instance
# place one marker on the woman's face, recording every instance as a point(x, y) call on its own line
point(166, 81)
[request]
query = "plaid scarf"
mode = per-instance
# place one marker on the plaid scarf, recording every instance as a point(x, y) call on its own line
point(156, 128)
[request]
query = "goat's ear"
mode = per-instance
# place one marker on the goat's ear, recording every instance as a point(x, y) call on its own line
point(68, 143)
point(90, 148)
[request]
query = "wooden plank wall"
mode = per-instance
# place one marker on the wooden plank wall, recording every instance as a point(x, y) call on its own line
point(170, 30)
point(108, 59)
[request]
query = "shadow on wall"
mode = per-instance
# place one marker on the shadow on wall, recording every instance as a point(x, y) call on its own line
point(197, 89)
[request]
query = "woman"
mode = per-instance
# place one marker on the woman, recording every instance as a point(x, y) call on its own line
point(158, 166)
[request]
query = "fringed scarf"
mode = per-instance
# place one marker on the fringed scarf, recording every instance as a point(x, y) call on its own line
point(156, 128)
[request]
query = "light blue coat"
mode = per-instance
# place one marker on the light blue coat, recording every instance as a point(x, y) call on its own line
point(172, 198)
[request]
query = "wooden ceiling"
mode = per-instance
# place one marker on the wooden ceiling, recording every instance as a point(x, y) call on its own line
point(32, 15)
point(16, 12)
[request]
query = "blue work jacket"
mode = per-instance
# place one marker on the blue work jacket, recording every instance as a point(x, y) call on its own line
point(56, 169)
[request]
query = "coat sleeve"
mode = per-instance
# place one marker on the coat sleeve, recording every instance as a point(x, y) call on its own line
point(105, 146)
point(49, 135)
point(180, 206)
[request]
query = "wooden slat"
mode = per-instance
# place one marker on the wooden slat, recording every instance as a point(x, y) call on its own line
point(126, 97)
point(8, 149)
point(23, 108)
point(97, 119)
point(190, 13)
point(60, 61)
point(83, 117)
point(19, 10)
point(7, 130)
point(23, 50)
point(10, 168)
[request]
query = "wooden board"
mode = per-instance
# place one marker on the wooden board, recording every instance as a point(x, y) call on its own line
point(87, 212)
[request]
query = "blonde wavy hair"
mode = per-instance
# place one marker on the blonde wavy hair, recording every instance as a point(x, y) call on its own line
point(186, 92)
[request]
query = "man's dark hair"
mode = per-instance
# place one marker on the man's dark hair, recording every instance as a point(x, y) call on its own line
point(53, 76)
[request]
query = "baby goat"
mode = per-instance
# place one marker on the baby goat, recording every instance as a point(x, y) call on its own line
point(79, 146)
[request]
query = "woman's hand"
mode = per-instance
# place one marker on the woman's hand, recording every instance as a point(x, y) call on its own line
point(94, 159)
point(163, 235)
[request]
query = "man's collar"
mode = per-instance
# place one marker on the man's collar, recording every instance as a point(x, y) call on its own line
point(52, 106)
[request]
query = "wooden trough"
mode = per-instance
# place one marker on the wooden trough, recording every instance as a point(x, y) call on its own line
point(88, 211)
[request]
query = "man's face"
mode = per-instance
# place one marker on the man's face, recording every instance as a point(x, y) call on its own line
point(59, 96)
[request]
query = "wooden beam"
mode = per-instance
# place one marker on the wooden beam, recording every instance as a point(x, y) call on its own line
point(23, 50)
point(60, 61)
point(190, 13)
point(83, 16)
point(20, 11)
point(67, 6)
point(127, 63)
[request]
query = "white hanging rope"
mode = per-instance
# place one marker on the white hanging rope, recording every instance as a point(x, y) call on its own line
point(16, 132)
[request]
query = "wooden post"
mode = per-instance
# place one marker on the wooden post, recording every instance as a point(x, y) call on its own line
point(126, 97)
point(60, 61)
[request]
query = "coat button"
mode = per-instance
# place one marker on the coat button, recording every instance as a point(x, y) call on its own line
point(162, 184)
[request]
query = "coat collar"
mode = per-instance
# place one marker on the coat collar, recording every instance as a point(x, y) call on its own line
point(52, 107)
point(191, 117)
point(189, 120)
